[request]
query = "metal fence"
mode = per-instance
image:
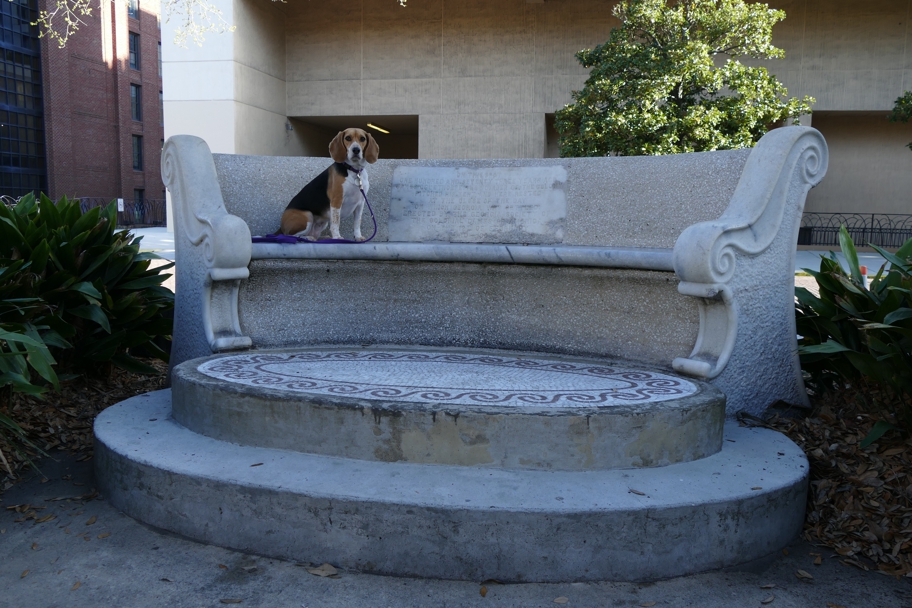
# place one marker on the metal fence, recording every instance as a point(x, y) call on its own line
point(881, 229)
point(135, 213)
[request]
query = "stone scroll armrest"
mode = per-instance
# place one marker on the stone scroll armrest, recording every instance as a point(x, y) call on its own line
point(213, 251)
point(741, 265)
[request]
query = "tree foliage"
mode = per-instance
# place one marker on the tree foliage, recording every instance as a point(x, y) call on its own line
point(668, 81)
point(62, 18)
point(902, 110)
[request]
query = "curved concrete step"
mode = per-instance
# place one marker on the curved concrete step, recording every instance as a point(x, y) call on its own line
point(456, 522)
point(451, 406)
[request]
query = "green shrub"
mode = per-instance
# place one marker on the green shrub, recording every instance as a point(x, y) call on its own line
point(21, 350)
point(97, 297)
point(859, 334)
point(75, 295)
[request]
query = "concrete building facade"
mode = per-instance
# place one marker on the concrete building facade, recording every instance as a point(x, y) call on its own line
point(483, 78)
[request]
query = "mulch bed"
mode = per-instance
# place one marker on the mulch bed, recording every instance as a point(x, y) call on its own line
point(63, 420)
point(859, 504)
point(860, 499)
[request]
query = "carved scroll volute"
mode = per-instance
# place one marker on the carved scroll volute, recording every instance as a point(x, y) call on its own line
point(705, 254)
point(189, 174)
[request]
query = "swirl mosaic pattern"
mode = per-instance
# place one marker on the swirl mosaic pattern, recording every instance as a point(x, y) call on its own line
point(448, 378)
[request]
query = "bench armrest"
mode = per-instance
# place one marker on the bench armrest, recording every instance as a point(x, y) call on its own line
point(212, 245)
point(757, 234)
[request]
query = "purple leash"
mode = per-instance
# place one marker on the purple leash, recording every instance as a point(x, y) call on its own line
point(291, 239)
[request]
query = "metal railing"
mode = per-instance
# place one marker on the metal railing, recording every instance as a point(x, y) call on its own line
point(135, 214)
point(882, 229)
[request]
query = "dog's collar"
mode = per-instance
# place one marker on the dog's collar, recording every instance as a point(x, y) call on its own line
point(350, 168)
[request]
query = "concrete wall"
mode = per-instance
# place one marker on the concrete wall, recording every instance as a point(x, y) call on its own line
point(855, 59)
point(850, 56)
point(480, 73)
point(231, 90)
point(198, 85)
point(484, 76)
point(870, 167)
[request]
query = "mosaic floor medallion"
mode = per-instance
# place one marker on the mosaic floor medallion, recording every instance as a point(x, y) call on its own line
point(448, 378)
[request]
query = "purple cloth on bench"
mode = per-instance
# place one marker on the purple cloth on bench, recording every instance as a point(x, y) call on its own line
point(289, 239)
point(278, 238)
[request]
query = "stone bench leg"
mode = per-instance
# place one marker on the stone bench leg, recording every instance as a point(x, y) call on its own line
point(220, 309)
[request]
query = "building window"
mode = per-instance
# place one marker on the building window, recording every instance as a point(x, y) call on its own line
point(134, 51)
point(136, 101)
point(139, 205)
point(133, 8)
point(161, 109)
point(159, 59)
point(137, 153)
point(22, 153)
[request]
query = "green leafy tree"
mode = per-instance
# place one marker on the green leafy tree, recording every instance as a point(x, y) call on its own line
point(668, 81)
point(902, 111)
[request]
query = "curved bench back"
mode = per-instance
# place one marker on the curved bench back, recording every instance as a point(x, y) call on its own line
point(610, 202)
point(726, 223)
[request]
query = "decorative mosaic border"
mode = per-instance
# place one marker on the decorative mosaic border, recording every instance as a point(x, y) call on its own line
point(621, 385)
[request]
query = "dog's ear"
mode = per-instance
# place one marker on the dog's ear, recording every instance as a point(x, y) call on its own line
point(337, 148)
point(372, 153)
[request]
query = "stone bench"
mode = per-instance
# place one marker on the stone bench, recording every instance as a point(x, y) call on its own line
point(488, 389)
point(679, 262)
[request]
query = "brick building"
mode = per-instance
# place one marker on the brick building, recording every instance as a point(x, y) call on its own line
point(84, 120)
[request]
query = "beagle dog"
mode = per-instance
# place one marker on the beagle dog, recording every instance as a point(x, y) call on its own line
point(336, 192)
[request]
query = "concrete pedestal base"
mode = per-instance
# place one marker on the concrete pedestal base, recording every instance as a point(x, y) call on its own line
point(452, 521)
point(479, 408)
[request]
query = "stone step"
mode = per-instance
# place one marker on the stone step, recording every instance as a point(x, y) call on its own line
point(451, 406)
point(455, 522)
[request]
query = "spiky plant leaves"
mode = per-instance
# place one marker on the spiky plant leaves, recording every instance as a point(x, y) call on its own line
point(854, 332)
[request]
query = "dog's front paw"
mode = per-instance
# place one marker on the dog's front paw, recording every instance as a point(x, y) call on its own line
point(310, 238)
point(360, 238)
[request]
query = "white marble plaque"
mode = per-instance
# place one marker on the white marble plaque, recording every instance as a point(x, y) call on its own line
point(490, 205)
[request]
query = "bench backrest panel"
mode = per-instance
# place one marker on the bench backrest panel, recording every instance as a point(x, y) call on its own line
point(615, 202)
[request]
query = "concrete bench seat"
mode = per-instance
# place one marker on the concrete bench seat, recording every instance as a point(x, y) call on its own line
point(640, 258)
point(682, 262)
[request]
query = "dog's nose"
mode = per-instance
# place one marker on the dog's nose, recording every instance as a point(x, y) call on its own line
point(356, 151)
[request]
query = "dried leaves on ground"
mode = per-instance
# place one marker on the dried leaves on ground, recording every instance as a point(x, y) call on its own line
point(63, 420)
point(860, 499)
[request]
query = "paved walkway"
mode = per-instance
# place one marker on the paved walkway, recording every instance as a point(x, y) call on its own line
point(811, 259)
point(158, 240)
point(89, 554)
